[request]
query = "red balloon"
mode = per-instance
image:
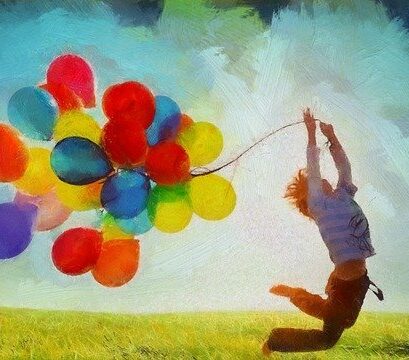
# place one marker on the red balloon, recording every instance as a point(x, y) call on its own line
point(129, 101)
point(168, 163)
point(14, 154)
point(76, 251)
point(118, 262)
point(76, 74)
point(125, 142)
point(65, 98)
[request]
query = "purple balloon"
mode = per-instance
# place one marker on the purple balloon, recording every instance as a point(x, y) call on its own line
point(16, 228)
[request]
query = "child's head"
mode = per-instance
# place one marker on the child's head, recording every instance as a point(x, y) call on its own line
point(297, 192)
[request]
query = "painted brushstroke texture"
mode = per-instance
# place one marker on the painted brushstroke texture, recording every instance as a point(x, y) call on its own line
point(350, 64)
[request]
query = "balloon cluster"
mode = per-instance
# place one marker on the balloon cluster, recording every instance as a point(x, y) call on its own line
point(135, 170)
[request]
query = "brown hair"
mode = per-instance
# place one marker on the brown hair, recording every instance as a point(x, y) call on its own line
point(297, 192)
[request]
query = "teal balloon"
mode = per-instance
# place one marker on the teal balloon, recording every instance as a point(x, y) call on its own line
point(79, 161)
point(137, 225)
point(33, 111)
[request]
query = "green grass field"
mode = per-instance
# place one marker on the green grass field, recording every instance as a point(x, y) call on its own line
point(27, 334)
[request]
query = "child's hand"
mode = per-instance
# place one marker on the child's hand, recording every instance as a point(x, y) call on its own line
point(327, 130)
point(309, 120)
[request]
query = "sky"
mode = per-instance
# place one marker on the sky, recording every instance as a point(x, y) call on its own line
point(230, 65)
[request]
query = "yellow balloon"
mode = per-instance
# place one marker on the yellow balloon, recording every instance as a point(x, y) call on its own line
point(111, 231)
point(39, 178)
point(171, 217)
point(203, 141)
point(80, 197)
point(212, 197)
point(77, 123)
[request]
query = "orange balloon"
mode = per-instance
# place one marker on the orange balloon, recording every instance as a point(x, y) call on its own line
point(185, 122)
point(13, 155)
point(117, 263)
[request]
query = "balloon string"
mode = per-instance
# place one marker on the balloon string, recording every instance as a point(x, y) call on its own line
point(211, 171)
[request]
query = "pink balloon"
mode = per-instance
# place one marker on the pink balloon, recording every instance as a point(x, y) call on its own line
point(76, 74)
point(51, 213)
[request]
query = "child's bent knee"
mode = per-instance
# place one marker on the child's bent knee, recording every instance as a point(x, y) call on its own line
point(331, 338)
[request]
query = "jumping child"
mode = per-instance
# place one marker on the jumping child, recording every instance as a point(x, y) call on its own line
point(345, 231)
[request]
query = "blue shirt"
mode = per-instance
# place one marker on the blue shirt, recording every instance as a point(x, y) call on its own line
point(341, 222)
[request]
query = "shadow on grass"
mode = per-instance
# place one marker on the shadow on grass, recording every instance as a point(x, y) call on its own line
point(397, 348)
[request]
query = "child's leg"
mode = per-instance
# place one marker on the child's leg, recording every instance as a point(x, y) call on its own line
point(311, 304)
point(298, 340)
point(341, 310)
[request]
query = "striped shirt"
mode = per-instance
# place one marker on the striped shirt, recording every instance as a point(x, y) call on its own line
point(341, 222)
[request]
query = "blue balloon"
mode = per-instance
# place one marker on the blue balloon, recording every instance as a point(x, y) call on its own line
point(137, 225)
point(34, 112)
point(125, 194)
point(166, 121)
point(16, 228)
point(79, 161)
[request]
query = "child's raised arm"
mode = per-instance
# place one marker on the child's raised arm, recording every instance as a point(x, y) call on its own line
point(313, 165)
point(340, 159)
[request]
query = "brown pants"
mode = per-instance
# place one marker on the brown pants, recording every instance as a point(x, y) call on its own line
point(339, 311)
